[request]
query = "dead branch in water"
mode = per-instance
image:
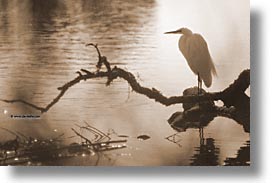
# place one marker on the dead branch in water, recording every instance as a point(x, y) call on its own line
point(230, 96)
point(31, 151)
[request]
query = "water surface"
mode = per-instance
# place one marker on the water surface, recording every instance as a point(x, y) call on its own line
point(42, 45)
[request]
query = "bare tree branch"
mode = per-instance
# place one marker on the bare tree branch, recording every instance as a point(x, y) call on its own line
point(235, 89)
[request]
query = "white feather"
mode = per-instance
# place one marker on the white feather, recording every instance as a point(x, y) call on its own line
point(195, 50)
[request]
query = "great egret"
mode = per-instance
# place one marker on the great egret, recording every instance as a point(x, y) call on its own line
point(195, 50)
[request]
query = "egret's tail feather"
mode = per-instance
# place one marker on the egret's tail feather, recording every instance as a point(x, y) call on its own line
point(207, 83)
point(207, 80)
point(213, 68)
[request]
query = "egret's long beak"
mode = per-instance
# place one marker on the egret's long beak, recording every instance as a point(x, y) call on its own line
point(173, 32)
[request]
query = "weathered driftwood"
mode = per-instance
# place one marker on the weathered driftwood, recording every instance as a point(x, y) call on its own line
point(234, 95)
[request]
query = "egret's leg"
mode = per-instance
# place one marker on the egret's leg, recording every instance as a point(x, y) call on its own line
point(199, 84)
point(201, 136)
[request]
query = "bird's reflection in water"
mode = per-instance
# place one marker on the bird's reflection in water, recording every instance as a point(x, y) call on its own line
point(242, 158)
point(206, 154)
point(199, 116)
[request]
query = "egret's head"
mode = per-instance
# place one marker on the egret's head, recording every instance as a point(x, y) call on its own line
point(183, 31)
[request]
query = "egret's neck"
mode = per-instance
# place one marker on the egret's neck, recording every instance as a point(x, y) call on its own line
point(187, 32)
point(182, 42)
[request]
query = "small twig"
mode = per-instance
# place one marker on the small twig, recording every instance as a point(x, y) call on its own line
point(97, 131)
point(101, 59)
point(78, 134)
point(58, 137)
point(96, 134)
point(23, 102)
point(110, 142)
point(96, 47)
point(112, 148)
point(25, 137)
point(11, 132)
point(99, 62)
point(86, 71)
point(172, 138)
point(79, 73)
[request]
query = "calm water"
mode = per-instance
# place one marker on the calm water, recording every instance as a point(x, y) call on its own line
point(42, 45)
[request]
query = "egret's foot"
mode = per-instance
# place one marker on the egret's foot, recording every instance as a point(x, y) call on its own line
point(203, 105)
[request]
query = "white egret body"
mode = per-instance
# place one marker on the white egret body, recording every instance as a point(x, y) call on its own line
point(195, 50)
